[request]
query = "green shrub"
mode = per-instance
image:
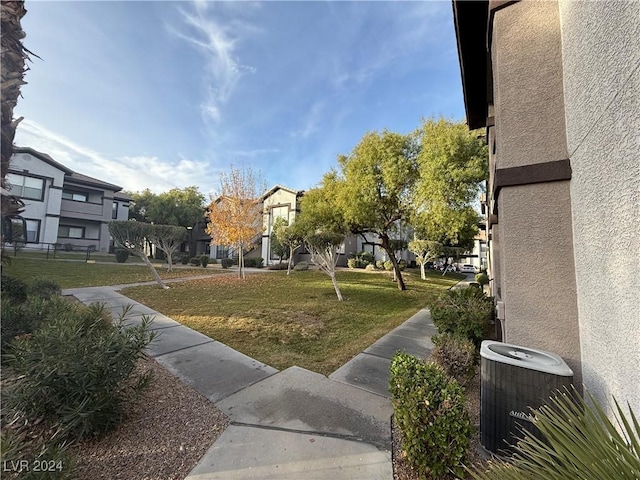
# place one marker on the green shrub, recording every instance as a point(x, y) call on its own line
point(430, 412)
point(279, 266)
point(388, 265)
point(213, 261)
point(226, 262)
point(195, 261)
point(122, 254)
point(581, 443)
point(254, 262)
point(43, 288)
point(13, 289)
point(77, 370)
point(456, 355)
point(465, 313)
point(44, 450)
point(301, 266)
point(352, 263)
point(184, 259)
point(20, 319)
point(402, 264)
point(371, 267)
point(482, 278)
point(204, 260)
point(380, 264)
point(14, 322)
point(366, 258)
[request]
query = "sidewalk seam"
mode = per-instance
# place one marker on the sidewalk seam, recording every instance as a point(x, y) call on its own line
point(339, 436)
point(180, 349)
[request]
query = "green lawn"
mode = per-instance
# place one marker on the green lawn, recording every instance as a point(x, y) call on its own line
point(70, 274)
point(295, 320)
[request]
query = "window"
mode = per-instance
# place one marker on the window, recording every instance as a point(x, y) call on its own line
point(26, 187)
point(222, 252)
point(33, 230)
point(114, 210)
point(70, 232)
point(75, 196)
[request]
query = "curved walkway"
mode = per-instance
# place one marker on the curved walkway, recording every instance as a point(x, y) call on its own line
point(284, 424)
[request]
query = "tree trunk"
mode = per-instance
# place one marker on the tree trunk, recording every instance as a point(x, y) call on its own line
point(291, 250)
point(423, 275)
point(13, 68)
point(169, 262)
point(241, 262)
point(157, 278)
point(335, 286)
point(396, 268)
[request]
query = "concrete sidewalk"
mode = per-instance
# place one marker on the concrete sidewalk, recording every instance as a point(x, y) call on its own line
point(284, 425)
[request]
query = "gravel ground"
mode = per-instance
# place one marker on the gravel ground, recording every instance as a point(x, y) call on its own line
point(403, 471)
point(166, 433)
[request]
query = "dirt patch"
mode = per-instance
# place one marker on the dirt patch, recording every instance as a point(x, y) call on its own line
point(165, 435)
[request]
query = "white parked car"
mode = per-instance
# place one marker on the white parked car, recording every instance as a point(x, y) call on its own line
point(468, 268)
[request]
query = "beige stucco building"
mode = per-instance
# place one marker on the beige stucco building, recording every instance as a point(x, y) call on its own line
point(557, 86)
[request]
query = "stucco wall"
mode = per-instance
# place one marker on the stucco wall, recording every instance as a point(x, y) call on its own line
point(537, 268)
point(533, 249)
point(48, 210)
point(527, 76)
point(281, 197)
point(601, 62)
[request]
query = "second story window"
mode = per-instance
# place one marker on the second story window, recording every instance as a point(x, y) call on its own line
point(75, 196)
point(114, 210)
point(26, 187)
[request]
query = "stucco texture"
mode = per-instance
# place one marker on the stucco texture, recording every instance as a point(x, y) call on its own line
point(601, 56)
point(537, 268)
point(527, 76)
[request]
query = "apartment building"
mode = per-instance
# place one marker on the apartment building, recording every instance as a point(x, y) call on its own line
point(62, 206)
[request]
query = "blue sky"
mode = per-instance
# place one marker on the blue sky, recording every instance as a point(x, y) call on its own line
point(161, 94)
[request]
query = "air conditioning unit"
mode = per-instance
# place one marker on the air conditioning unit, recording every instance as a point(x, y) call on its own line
point(513, 380)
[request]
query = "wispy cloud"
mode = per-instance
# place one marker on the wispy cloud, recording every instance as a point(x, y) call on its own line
point(428, 22)
point(217, 38)
point(253, 153)
point(133, 173)
point(311, 122)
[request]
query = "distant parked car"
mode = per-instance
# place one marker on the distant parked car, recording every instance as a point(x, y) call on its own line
point(468, 268)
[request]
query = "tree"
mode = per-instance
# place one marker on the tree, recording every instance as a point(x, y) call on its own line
point(397, 245)
point(140, 205)
point(425, 251)
point(453, 166)
point(324, 252)
point(277, 247)
point(375, 187)
point(235, 217)
point(14, 57)
point(133, 236)
point(291, 237)
point(168, 239)
point(322, 227)
point(178, 206)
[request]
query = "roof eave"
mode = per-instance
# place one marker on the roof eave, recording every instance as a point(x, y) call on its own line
point(470, 21)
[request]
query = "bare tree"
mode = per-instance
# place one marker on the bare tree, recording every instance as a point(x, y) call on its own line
point(425, 251)
point(324, 252)
point(133, 236)
point(168, 239)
